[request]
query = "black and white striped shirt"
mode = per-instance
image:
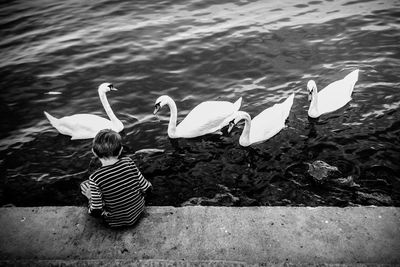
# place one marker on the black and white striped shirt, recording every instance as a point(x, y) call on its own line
point(118, 190)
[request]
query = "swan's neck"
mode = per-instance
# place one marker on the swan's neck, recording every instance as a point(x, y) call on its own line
point(173, 118)
point(244, 139)
point(313, 109)
point(115, 121)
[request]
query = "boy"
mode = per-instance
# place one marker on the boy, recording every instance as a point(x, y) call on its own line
point(115, 190)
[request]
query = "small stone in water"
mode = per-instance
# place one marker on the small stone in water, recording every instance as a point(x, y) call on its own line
point(348, 181)
point(321, 171)
point(375, 198)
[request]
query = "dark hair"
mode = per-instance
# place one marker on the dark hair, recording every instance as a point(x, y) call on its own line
point(107, 143)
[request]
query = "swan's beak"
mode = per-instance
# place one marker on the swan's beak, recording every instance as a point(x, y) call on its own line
point(156, 108)
point(230, 127)
point(309, 96)
point(113, 89)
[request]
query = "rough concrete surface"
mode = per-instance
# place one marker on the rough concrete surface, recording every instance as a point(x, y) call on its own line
point(253, 235)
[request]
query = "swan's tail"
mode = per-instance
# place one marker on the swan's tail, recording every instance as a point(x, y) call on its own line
point(52, 120)
point(237, 104)
point(352, 78)
point(287, 105)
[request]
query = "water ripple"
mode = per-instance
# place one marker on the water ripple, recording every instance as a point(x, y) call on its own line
point(54, 55)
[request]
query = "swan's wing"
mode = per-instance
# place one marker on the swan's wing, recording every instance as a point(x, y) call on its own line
point(275, 115)
point(270, 121)
point(337, 94)
point(82, 124)
point(205, 118)
point(334, 96)
point(265, 126)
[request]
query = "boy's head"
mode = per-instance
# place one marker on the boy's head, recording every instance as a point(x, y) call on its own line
point(107, 144)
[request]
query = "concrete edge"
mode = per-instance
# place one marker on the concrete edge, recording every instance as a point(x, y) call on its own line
point(204, 236)
point(172, 263)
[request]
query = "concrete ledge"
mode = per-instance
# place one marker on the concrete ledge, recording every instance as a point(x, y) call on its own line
point(269, 236)
point(167, 263)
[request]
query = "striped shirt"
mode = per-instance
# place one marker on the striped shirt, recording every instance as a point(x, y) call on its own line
point(118, 190)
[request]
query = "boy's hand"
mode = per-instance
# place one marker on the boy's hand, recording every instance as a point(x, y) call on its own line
point(85, 189)
point(87, 194)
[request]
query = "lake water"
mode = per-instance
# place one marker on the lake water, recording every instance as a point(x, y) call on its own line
point(55, 54)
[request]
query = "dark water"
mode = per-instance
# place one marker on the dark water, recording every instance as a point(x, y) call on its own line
point(55, 54)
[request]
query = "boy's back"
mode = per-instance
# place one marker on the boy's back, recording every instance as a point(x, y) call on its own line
point(118, 189)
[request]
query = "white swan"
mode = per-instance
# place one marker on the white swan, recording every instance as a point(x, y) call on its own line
point(332, 97)
point(207, 117)
point(265, 125)
point(85, 126)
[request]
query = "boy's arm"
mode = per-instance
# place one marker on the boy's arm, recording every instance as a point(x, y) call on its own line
point(143, 183)
point(96, 199)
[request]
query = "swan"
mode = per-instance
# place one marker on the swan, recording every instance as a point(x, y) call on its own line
point(265, 125)
point(207, 117)
point(332, 97)
point(85, 126)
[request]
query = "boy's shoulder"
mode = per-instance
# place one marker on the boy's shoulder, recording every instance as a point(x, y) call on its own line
point(128, 159)
point(121, 163)
point(96, 174)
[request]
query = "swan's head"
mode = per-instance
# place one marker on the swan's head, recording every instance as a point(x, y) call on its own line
point(106, 87)
point(160, 102)
point(240, 115)
point(311, 86)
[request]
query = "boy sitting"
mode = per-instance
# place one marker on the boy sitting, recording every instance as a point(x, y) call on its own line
point(115, 190)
